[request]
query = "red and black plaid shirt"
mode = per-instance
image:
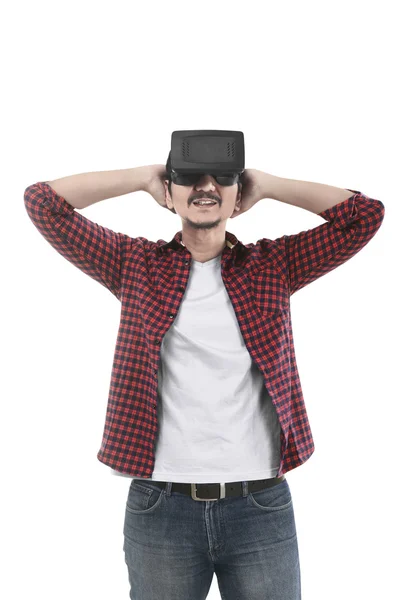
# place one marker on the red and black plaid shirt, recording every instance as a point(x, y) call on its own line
point(150, 278)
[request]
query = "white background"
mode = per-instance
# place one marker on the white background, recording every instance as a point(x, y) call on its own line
point(94, 86)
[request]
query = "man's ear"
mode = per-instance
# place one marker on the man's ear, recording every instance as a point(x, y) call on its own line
point(168, 199)
point(167, 196)
point(240, 186)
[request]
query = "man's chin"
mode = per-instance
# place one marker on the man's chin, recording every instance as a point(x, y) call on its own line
point(204, 224)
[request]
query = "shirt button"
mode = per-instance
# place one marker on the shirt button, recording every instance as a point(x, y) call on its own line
point(171, 316)
point(182, 288)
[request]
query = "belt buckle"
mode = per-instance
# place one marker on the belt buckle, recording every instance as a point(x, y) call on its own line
point(193, 487)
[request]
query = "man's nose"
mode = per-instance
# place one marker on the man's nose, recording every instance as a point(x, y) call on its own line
point(205, 182)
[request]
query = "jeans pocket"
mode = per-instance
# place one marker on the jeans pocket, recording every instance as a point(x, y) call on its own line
point(143, 497)
point(272, 499)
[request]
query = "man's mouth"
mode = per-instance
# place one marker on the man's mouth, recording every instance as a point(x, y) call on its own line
point(204, 203)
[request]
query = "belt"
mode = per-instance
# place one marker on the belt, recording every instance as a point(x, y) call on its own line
point(207, 491)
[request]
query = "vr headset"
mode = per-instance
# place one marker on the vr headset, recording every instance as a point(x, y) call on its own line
point(215, 152)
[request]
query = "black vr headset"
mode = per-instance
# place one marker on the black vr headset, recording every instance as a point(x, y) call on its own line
point(215, 152)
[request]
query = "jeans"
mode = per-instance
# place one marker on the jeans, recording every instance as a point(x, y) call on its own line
point(173, 544)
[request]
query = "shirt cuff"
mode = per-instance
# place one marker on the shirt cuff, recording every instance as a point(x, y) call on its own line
point(345, 212)
point(54, 202)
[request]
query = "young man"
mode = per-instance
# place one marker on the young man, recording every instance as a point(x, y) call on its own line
point(205, 410)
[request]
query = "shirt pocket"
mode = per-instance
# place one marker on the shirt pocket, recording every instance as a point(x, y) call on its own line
point(269, 290)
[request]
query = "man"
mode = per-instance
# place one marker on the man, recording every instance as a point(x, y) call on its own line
point(205, 407)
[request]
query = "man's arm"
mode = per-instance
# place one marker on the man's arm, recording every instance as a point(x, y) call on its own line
point(315, 197)
point(353, 220)
point(85, 189)
point(97, 251)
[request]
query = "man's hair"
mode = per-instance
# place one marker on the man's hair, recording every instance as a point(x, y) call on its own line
point(168, 176)
point(168, 169)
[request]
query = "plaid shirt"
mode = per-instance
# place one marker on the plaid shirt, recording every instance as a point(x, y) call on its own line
point(150, 278)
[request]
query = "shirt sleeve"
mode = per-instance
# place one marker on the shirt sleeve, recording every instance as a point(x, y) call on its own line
point(97, 251)
point(351, 224)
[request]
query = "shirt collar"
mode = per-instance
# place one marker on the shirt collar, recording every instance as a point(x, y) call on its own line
point(230, 241)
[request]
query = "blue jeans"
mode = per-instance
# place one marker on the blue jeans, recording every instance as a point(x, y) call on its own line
point(173, 544)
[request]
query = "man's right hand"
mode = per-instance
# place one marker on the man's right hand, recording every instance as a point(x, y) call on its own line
point(154, 185)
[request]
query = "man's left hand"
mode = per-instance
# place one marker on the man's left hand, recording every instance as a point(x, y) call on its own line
point(254, 189)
